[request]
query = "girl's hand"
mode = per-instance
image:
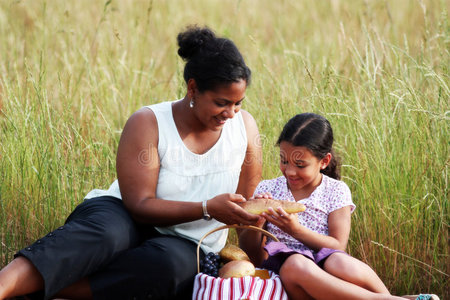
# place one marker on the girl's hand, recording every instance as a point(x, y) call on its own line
point(286, 222)
point(224, 209)
point(261, 221)
point(266, 195)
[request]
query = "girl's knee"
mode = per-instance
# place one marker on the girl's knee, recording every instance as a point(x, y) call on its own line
point(346, 267)
point(337, 261)
point(296, 271)
point(296, 268)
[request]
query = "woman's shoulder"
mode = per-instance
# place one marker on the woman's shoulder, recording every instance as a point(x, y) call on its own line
point(140, 129)
point(251, 127)
point(160, 106)
point(247, 117)
point(143, 117)
point(147, 115)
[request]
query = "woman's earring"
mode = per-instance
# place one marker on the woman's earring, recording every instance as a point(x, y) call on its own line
point(191, 103)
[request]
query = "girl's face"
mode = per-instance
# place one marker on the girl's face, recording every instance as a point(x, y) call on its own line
point(301, 168)
point(214, 108)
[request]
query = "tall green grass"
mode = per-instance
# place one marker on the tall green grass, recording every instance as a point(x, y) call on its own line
point(73, 72)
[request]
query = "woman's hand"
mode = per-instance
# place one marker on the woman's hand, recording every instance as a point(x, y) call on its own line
point(224, 209)
point(260, 223)
point(286, 222)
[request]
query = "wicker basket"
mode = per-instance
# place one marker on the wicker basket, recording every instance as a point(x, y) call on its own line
point(265, 232)
point(248, 287)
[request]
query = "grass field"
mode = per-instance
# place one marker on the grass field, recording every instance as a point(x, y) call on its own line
point(72, 72)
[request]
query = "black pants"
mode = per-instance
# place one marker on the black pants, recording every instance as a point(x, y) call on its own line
point(121, 259)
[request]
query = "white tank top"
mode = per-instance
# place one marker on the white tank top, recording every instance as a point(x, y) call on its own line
point(191, 177)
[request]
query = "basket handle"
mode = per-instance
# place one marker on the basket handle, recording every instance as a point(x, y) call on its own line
point(230, 226)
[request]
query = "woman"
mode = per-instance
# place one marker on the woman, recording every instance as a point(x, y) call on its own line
point(181, 168)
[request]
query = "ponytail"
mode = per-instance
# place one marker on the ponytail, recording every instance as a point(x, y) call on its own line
point(333, 169)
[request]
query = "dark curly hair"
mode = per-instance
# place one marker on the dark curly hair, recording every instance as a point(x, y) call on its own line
point(210, 60)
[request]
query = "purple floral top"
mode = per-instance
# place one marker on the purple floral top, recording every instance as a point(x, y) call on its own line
point(329, 196)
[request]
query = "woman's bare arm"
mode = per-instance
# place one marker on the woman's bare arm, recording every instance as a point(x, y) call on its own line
point(138, 170)
point(251, 241)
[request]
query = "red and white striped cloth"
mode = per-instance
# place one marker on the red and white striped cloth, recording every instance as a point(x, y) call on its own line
point(252, 288)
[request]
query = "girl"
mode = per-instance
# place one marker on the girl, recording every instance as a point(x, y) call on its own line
point(310, 256)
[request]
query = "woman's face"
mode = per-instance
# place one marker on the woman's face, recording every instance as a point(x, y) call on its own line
point(214, 108)
point(300, 167)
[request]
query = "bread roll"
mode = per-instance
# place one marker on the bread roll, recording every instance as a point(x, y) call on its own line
point(237, 268)
point(262, 273)
point(231, 252)
point(258, 206)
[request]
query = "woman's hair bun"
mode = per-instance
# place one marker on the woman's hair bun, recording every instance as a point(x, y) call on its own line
point(210, 60)
point(193, 39)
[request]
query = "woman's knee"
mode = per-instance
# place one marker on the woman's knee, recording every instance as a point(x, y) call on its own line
point(172, 261)
point(120, 236)
point(151, 255)
point(175, 256)
point(104, 223)
point(161, 267)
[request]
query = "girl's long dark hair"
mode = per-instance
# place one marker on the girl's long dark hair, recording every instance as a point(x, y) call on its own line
point(313, 132)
